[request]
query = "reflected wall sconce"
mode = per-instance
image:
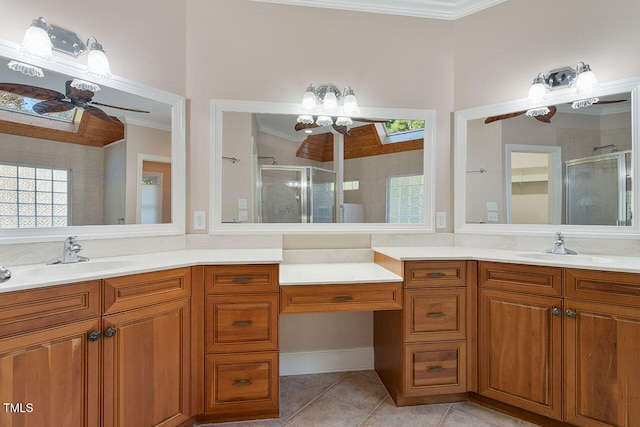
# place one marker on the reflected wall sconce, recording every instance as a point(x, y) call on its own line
point(41, 39)
point(326, 102)
point(581, 77)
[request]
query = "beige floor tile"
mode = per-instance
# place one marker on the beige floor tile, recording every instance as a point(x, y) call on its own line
point(329, 412)
point(359, 391)
point(495, 418)
point(318, 382)
point(458, 419)
point(293, 397)
point(388, 414)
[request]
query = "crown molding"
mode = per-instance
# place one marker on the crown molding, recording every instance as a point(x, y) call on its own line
point(435, 9)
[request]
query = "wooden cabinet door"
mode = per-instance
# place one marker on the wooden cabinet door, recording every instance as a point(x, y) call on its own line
point(51, 376)
point(146, 377)
point(602, 364)
point(520, 350)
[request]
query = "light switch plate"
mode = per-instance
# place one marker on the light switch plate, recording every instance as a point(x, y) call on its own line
point(492, 206)
point(199, 220)
point(441, 220)
point(242, 203)
point(243, 216)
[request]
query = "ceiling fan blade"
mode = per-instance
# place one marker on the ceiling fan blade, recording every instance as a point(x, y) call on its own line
point(611, 102)
point(360, 119)
point(503, 116)
point(119, 108)
point(53, 106)
point(73, 92)
point(340, 129)
point(100, 114)
point(31, 91)
point(302, 126)
point(546, 118)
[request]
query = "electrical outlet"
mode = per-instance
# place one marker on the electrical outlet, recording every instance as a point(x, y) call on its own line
point(492, 216)
point(199, 220)
point(441, 220)
point(243, 216)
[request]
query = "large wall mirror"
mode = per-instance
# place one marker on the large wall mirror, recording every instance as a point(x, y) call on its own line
point(111, 167)
point(270, 176)
point(571, 170)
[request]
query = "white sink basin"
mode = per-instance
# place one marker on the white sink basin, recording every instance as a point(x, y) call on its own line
point(57, 270)
point(568, 259)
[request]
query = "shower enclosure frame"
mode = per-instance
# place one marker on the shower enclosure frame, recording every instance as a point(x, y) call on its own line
point(306, 184)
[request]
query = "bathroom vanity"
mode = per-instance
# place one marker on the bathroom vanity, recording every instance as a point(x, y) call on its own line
point(550, 339)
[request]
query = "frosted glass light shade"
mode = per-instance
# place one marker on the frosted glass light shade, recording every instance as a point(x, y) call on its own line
point(98, 64)
point(26, 69)
point(329, 102)
point(309, 100)
point(84, 85)
point(536, 93)
point(324, 121)
point(344, 121)
point(586, 83)
point(351, 105)
point(36, 43)
point(305, 119)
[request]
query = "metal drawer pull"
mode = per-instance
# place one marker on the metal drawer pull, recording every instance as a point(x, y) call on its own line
point(242, 323)
point(437, 274)
point(110, 332)
point(436, 314)
point(94, 336)
point(556, 312)
point(344, 299)
point(436, 369)
point(241, 383)
point(242, 280)
point(572, 314)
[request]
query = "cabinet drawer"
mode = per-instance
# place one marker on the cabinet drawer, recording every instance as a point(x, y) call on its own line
point(234, 279)
point(28, 310)
point(327, 298)
point(435, 273)
point(521, 278)
point(241, 382)
point(241, 323)
point(434, 314)
point(136, 290)
point(434, 368)
point(603, 286)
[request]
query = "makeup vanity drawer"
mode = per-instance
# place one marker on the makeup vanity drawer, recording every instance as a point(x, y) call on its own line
point(241, 323)
point(603, 286)
point(234, 279)
point(338, 297)
point(435, 368)
point(242, 382)
point(420, 274)
point(434, 314)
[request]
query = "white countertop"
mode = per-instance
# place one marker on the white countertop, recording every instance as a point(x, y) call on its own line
point(585, 261)
point(40, 275)
point(335, 273)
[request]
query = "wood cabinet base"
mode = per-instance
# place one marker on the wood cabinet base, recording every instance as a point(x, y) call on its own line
point(520, 413)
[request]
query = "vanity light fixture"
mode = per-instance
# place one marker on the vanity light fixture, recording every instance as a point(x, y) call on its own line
point(42, 38)
point(323, 103)
point(585, 81)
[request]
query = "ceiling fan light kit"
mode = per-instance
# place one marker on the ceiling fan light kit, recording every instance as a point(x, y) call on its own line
point(585, 81)
point(324, 104)
point(41, 39)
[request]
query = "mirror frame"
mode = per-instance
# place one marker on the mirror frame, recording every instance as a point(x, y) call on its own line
point(178, 162)
point(631, 85)
point(219, 106)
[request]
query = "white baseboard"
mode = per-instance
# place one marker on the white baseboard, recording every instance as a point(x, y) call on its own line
point(316, 362)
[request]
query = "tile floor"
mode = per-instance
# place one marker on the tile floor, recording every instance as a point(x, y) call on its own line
point(358, 399)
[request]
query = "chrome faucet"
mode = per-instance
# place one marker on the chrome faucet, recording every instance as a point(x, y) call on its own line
point(5, 274)
point(559, 248)
point(70, 253)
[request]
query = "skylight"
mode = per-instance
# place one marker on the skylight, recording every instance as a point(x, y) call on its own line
point(23, 104)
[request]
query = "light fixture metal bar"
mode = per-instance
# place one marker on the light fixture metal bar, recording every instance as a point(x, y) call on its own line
point(66, 41)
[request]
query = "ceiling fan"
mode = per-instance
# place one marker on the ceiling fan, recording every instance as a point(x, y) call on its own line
point(340, 129)
point(545, 118)
point(54, 102)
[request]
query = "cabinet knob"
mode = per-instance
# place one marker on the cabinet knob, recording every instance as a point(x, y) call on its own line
point(94, 336)
point(556, 312)
point(110, 332)
point(572, 314)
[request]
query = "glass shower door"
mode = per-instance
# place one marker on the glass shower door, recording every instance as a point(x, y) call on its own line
point(281, 195)
point(323, 195)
